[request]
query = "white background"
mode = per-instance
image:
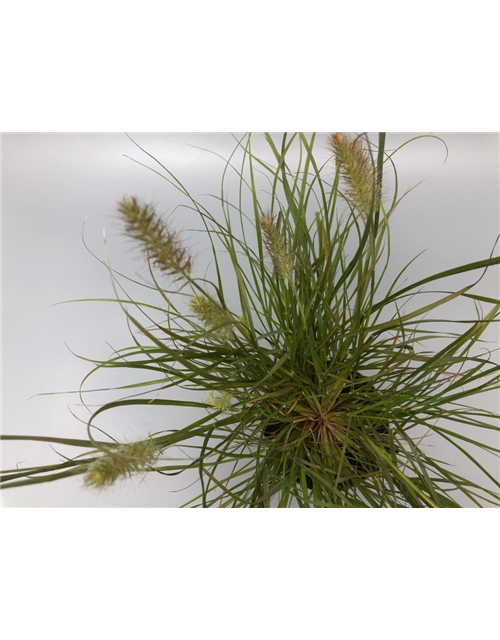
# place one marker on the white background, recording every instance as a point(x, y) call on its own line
point(52, 183)
point(221, 573)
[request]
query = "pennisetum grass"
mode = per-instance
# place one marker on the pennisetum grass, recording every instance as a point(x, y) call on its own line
point(318, 386)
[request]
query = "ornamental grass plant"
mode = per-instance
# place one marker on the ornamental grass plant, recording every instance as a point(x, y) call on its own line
point(320, 381)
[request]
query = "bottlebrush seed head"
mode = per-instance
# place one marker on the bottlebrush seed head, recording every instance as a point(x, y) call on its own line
point(213, 316)
point(282, 259)
point(121, 462)
point(220, 401)
point(161, 244)
point(357, 169)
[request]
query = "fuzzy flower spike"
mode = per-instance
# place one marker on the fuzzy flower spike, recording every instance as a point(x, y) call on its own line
point(161, 244)
point(358, 172)
point(121, 462)
point(282, 259)
point(213, 316)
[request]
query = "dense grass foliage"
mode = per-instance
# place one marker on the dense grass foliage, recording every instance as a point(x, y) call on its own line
point(320, 387)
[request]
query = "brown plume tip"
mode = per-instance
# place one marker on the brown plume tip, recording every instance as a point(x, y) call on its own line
point(358, 171)
point(161, 244)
